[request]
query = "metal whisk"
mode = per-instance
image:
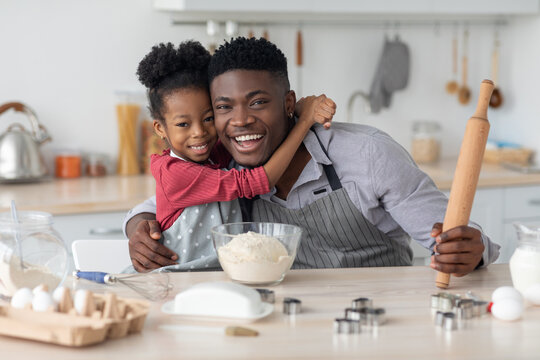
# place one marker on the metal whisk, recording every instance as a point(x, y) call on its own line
point(154, 286)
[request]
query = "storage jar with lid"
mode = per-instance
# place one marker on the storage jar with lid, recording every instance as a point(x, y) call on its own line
point(426, 142)
point(32, 252)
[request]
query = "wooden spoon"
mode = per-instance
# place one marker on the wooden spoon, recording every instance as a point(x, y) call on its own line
point(496, 99)
point(464, 93)
point(452, 86)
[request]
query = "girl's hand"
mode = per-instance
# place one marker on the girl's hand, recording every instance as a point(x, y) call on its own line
point(316, 109)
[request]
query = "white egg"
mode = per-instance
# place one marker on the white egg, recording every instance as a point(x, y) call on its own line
point(79, 301)
point(507, 309)
point(506, 292)
point(58, 294)
point(42, 301)
point(21, 298)
point(532, 294)
point(41, 287)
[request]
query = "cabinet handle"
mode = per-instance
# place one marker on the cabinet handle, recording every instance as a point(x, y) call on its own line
point(534, 202)
point(106, 231)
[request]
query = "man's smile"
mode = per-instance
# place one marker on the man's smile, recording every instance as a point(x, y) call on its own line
point(246, 141)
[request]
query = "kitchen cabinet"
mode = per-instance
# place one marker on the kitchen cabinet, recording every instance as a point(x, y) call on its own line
point(90, 226)
point(522, 204)
point(495, 209)
point(283, 10)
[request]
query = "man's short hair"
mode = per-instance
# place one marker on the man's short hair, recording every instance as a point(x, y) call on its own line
point(249, 54)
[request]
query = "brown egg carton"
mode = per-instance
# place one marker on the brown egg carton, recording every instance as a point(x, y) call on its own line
point(104, 317)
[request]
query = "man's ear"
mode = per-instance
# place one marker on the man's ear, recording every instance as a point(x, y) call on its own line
point(290, 102)
point(158, 128)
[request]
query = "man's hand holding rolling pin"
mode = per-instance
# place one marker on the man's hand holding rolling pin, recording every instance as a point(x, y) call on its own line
point(458, 251)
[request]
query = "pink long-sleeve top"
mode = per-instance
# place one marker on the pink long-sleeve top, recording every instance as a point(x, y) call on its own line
point(180, 183)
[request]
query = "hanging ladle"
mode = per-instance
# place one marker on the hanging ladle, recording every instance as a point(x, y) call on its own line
point(452, 86)
point(464, 93)
point(496, 99)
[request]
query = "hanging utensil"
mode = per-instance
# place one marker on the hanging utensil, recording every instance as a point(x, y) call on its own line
point(496, 97)
point(464, 93)
point(299, 61)
point(452, 85)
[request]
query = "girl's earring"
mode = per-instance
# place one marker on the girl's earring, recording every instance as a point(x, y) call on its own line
point(290, 115)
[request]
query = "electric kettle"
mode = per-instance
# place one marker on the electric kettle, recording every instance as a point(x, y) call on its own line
point(20, 158)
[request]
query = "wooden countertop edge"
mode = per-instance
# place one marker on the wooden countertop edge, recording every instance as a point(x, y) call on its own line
point(82, 208)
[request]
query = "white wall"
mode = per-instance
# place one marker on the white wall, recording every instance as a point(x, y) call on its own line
point(65, 58)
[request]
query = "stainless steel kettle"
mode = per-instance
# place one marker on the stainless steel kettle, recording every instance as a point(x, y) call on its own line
point(20, 157)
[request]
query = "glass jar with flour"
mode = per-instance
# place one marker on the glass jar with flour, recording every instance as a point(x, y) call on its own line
point(426, 142)
point(31, 252)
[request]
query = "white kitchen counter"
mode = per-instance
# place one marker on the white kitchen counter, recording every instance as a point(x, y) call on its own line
point(120, 193)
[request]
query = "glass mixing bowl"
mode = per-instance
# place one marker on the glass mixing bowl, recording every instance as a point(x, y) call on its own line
point(256, 253)
point(31, 252)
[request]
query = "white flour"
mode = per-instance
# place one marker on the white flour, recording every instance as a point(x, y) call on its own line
point(254, 258)
point(13, 277)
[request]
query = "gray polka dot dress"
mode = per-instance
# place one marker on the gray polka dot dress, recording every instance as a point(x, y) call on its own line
point(190, 236)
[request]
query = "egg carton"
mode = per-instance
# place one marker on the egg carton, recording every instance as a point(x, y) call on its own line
point(103, 317)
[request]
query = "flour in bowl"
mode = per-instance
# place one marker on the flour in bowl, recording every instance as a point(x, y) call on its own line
point(254, 258)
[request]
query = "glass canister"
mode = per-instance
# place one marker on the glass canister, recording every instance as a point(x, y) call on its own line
point(128, 110)
point(31, 252)
point(426, 142)
point(525, 262)
point(68, 164)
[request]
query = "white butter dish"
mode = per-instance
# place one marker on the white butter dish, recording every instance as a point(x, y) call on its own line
point(219, 300)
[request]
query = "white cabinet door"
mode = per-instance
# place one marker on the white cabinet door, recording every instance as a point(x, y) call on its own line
point(522, 202)
point(89, 226)
point(487, 211)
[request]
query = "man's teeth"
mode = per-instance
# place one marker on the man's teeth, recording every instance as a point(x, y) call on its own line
point(199, 147)
point(248, 137)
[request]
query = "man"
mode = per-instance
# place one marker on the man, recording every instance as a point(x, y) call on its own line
point(356, 192)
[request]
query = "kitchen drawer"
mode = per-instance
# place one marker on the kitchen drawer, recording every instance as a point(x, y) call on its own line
point(522, 202)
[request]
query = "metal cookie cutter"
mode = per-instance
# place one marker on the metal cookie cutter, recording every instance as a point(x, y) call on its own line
point(480, 308)
point(291, 306)
point(346, 326)
point(435, 300)
point(267, 295)
point(446, 301)
point(362, 302)
point(449, 321)
point(353, 314)
point(439, 318)
point(464, 309)
point(375, 317)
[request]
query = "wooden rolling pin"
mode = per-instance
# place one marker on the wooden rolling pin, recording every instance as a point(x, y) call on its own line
point(467, 169)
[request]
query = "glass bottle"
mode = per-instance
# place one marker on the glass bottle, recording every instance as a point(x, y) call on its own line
point(127, 113)
point(31, 252)
point(426, 142)
point(525, 262)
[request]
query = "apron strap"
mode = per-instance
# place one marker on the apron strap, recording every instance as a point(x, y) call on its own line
point(329, 170)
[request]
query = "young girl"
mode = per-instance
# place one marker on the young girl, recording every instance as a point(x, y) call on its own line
point(192, 193)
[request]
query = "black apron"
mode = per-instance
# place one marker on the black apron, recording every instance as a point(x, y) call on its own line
point(336, 234)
